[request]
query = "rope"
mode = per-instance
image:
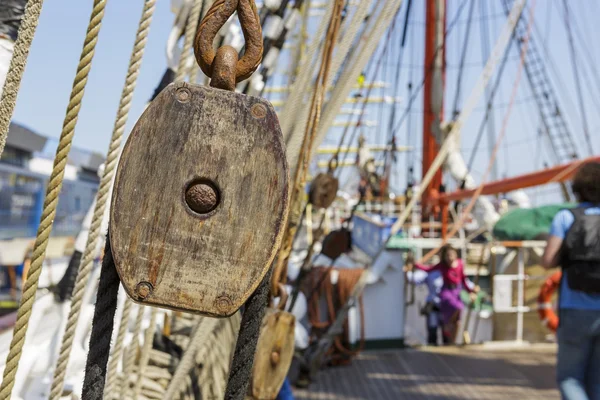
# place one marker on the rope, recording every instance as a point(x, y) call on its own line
point(51, 200)
point(111, 374)
point(102, 327)
point(130, 360)
point(294, 103)
point(145, 356)
point(190, 33)
point(102, 196)
point(347, 279)
point(203, 328)
point(245, 348)
point(341, 56)
point(346, 80)
point(12, 83)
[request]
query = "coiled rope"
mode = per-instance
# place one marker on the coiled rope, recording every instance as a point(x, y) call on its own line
point(201, 331)
point(103, 193)
point(51, 200)
point(12, 83)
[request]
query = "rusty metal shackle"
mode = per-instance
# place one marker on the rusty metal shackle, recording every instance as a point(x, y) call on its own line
point(215, 18)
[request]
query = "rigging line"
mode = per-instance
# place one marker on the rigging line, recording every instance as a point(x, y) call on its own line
point(591, 63)
point(463, 58)
point(336, 156)
point(104, 192)
point(485, 50)
point(499, 140)
point(584, 120)
point(489, 109)
point(430, 68)
point(396, 92)
point(51, 199)
point(582, 39)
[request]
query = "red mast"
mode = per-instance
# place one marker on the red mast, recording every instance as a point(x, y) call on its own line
point(433, 98)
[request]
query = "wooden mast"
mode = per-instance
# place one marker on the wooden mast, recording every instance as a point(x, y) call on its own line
point(433, 98)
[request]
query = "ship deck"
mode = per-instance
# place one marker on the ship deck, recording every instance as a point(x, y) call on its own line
point(474, 372)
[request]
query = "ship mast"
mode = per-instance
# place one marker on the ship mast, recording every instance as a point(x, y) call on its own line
point(433, 98)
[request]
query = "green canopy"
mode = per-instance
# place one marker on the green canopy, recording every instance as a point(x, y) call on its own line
point(527, 223)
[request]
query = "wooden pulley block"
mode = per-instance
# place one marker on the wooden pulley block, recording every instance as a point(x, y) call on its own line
point(337, 243)
point(274, 354)
point(323, 190)
point(200, 199)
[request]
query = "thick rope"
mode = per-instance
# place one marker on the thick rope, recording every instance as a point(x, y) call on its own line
point(203, 328)
point(103, 194)
point(12, 83)
point(188, 42)
point(130, 355)
point(145, 354)
point(111, 374)
point(295, 101)
point(245, 348)
point(51, 200)
point(102, 327)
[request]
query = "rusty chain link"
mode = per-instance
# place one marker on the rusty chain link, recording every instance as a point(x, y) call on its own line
point(223, 65)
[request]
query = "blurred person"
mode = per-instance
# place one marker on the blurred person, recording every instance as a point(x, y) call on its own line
point(454, 280)
point(574, 244)
point(431, 309)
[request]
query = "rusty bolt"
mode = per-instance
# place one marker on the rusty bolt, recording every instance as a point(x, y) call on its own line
point(183, 95)
point(223, 303)
point(143, 290)
point(275, 357)
point(258, 111)
point(202, 197)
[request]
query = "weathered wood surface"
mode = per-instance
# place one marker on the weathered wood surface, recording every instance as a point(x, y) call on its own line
point(166, 254)
point(274, 354)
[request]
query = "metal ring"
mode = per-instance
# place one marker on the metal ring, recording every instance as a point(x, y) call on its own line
point(215, 18)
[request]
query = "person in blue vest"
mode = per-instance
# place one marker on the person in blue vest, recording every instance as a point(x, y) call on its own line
point(574, 244)
point(431, 310)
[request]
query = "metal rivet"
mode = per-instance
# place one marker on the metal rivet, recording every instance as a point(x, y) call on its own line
point(202, 196)
point(258, 111)
point(143, 290)
point(183, 95)
point(275, 357)
point(223, 303)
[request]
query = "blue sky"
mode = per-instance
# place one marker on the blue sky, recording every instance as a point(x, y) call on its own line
point(55, 52)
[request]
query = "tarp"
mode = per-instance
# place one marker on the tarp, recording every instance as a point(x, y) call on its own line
point(527, 223)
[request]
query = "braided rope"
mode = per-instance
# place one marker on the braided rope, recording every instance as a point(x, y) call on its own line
point(102, 328)
point(113, 364)
point(51, 200)
point(190, 33)
point(102, 197)
point(145, 355)
point(130, 356)
point(243, 357)
point(12, 83)
point(201, 331)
